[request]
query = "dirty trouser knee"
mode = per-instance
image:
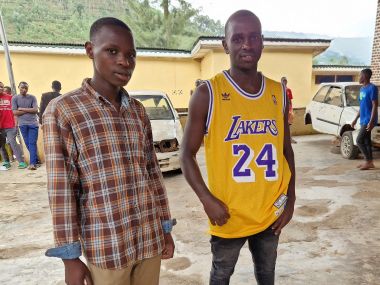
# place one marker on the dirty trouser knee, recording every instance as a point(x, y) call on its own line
point(364, 143)
point(11, 136)
point(263, 247)
point(225, 253)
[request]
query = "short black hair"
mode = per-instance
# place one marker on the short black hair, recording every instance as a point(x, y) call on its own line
point(367, 72)
point(56, 85)
point(106, 21)
point(23, 83)
point(240, 13)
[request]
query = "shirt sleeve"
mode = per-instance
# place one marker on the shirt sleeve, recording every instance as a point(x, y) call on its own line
point(156, 179)
point(289, 93)
point(62, 176)
point(375, 93)
point(14, 103)
point(42, 107)
point(34, 103)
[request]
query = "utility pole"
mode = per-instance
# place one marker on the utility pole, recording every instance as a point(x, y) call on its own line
point(7, 55)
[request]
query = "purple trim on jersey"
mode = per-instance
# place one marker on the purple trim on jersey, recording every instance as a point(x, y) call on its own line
point(210, 105)
point(241, 91)
point(284, 98)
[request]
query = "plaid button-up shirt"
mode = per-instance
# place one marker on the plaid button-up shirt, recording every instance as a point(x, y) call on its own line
point(104, 183)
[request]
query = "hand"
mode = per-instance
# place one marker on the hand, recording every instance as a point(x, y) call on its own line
point(216, 210)
point(76, 272)
point(168, 250)
point(284, 219)
point(370, 126)
point(353, 124)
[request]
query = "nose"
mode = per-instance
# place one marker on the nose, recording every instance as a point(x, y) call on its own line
point(247, 44)
point(126, 61)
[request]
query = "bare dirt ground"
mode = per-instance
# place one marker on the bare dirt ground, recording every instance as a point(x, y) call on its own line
point(334, 237)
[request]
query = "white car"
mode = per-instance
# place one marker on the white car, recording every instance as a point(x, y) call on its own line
point(332, 111)
point(166, 127)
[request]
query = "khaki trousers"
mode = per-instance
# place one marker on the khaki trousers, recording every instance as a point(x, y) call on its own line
point(145, 272)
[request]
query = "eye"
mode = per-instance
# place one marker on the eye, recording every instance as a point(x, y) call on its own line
point(112, 51)
point(236, 40)
point(255, 37)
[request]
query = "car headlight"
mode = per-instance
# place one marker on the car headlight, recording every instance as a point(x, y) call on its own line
point(166, 145)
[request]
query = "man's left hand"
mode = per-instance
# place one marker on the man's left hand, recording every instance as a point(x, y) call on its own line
point(370, 126)
point(284, 219)
point(168, 250)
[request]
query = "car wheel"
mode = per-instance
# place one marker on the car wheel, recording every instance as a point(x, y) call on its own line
point(347, 147)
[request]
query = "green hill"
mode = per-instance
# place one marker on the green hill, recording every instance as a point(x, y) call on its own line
point(68, 21)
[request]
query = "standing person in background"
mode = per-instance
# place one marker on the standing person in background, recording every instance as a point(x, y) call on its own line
point(8, 90)
point(25, 107)
point(243, 118)
point(48, 96)
point(289, 96)
point(369, 102)
point(9, 130)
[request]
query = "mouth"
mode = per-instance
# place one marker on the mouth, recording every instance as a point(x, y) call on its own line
point(124, 76)
point(247, 57)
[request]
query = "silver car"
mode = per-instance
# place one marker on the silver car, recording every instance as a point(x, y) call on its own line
point(166, 127)
point(332, 111)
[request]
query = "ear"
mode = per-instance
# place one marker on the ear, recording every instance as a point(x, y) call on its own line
point(226, 50)
point(89, 49)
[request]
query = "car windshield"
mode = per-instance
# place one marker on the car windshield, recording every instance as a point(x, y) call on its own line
point(352, 95)
point(156, 106)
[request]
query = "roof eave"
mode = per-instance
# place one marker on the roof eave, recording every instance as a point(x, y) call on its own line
point(203, 46)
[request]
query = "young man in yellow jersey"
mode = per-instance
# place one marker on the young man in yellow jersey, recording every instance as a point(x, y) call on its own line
point(242, 117)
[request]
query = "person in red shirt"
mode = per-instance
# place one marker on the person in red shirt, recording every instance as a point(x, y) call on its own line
point(289, 95)
point(7, 90)
point(8, 129)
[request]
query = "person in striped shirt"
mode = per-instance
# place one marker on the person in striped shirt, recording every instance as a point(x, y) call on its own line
point(106, 191)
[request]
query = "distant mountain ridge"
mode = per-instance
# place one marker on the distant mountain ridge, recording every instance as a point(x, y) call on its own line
point(342, 51)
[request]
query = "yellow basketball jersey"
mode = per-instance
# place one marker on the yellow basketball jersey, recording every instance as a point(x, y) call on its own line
point(244, 144)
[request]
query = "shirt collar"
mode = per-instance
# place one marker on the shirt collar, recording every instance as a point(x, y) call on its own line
point(125, 99)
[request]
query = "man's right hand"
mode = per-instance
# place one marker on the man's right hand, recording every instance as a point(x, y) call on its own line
point(353, 124)
point(216, 210)
point(77, 273)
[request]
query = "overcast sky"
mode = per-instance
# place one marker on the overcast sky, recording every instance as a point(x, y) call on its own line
point(335, 18)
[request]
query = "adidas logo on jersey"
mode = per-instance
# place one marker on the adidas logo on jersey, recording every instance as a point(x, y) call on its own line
point(226, 96)
point(274, 99)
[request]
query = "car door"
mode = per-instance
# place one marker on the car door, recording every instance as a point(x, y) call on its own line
point(330, 113)
point(316, 108)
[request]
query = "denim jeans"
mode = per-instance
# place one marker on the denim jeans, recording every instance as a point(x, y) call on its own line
point(364, 143)
point(225, 253)
point(30, 136)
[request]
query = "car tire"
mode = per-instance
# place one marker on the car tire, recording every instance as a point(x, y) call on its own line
point(347, 147)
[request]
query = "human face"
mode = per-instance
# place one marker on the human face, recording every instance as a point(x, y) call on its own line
point(1, 87)
point(244, 42)
point(362, 78)
point(114, 55)
point(23, 89)
point(7, 90)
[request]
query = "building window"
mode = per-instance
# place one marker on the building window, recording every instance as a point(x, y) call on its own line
point(324, 78)
point(333, 78)
point(344, 78)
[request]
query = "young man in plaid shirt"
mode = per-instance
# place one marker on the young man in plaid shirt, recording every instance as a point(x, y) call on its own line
point(106, 191)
